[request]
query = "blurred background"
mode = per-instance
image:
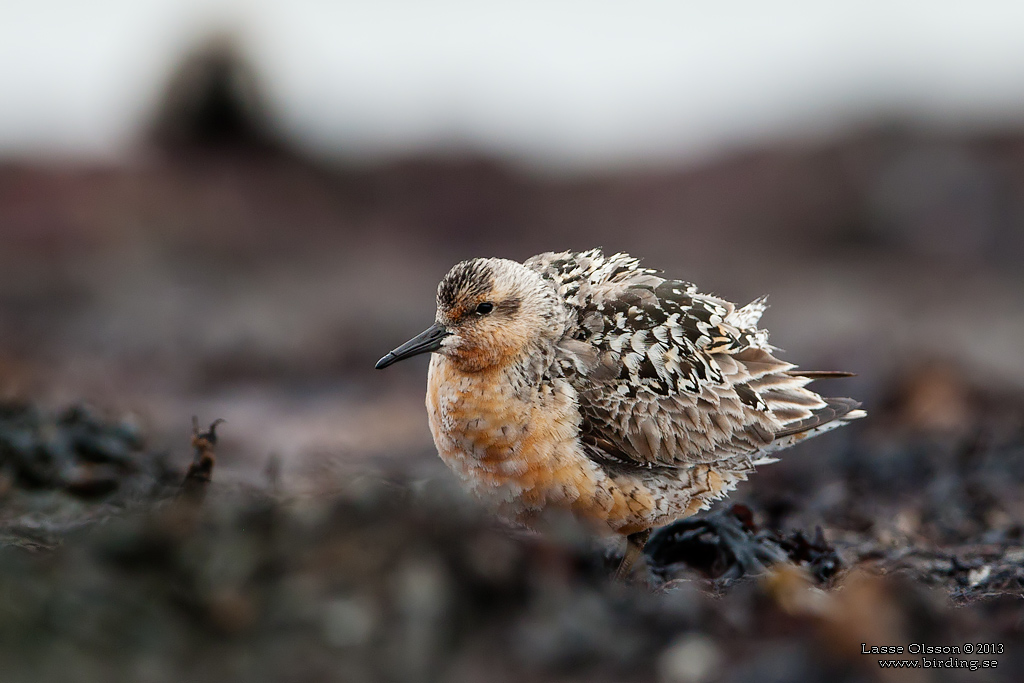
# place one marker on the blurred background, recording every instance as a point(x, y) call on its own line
point(232, 209)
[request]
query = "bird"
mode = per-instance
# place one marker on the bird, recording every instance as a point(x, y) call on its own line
point(588, 383)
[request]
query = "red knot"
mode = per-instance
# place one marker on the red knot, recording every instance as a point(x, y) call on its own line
point(586, 382)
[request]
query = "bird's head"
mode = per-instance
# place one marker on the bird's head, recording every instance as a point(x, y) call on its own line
point(489, 313)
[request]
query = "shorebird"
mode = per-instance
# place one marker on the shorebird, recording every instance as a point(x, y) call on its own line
point(586, 382)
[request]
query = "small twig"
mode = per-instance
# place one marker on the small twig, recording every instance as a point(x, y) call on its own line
point(200, 472)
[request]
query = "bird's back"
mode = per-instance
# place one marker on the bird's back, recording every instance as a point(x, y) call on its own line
point(669, 377)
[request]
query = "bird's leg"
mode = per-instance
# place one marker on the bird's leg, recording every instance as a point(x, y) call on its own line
point(634, 549)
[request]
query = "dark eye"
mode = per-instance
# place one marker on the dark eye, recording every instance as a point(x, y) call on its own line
point(485, 308)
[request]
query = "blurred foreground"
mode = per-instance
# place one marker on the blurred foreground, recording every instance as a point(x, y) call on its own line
point(388, 577)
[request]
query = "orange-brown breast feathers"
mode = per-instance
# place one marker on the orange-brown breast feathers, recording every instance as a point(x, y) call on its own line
point(523, 453)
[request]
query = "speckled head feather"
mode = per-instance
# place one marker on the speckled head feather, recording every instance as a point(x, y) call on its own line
point(584, 381)
point(498, 312)
point(467, 281)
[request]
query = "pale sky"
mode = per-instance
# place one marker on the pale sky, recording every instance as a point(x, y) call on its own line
point(548, 83)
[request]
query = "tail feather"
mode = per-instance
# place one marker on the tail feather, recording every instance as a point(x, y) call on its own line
point(844, 409)
point(821, 374)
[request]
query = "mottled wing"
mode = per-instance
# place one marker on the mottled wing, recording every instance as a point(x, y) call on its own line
point(669, 376)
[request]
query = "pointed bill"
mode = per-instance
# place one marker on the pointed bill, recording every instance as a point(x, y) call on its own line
point(426, 341)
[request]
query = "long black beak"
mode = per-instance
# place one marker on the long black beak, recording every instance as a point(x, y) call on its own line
point(424, 342)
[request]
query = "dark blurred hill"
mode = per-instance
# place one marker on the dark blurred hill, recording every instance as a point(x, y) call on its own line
point(885, 190)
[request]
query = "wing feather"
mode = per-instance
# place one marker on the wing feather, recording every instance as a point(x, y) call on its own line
point(667, 376)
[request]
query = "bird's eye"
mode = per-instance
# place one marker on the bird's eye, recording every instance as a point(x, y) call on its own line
point(485, 308)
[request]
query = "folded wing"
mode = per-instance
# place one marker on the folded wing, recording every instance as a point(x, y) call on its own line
point(669, 376)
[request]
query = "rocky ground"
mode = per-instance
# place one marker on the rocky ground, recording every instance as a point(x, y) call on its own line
point(117, 565)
